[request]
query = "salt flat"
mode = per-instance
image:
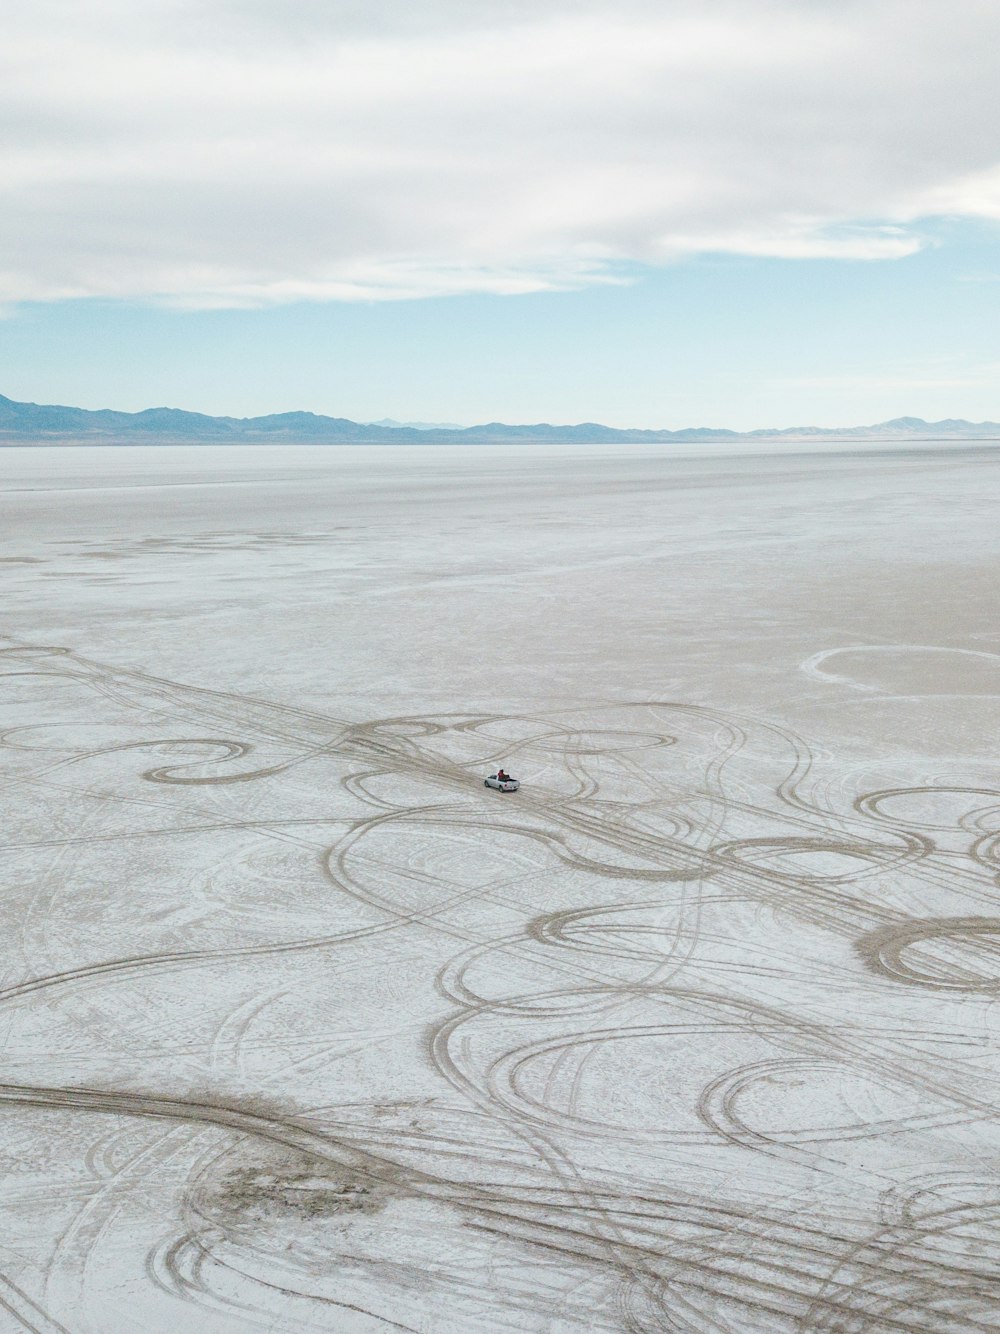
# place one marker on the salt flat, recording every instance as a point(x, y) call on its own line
point(304, 1029)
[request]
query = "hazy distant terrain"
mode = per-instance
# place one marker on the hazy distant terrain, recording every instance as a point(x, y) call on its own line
point(33, 423)
point(304, 1029)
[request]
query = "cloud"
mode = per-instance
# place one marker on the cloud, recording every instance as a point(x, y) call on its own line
point(236, 152)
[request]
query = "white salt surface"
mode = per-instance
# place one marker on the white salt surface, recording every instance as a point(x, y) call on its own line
point(304, 1029)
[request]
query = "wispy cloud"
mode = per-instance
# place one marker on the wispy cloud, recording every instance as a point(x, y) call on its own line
point(235, 152)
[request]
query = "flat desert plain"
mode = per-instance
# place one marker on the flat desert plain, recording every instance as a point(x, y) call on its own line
point(304, 1029)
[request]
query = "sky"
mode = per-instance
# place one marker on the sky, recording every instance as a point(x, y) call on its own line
point(662, 213)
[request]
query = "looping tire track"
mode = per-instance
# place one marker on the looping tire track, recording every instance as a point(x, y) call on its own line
point(690, 861)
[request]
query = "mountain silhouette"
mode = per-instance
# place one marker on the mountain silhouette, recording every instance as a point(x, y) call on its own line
point(34, 423)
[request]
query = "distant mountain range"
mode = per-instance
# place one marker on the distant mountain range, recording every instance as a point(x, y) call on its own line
point(33, 423)
point(418, 426)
